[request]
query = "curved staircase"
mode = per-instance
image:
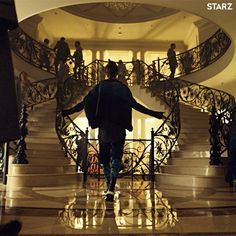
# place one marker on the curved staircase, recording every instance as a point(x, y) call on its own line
point(48, 165)
point(189, 165)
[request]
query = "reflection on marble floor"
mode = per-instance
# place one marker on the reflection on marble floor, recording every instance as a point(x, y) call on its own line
point(139, 209)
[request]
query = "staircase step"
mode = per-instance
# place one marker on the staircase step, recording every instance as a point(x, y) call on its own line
point(19, 169)
point(195, 170)
point(43, 146)
point(193, 147)
point(43, 180)
point(190, 154)
point(45, 160)
point(41, 124)
point(41, 119)
point(41, 134)
point(200, 162)
point(42, 140)
point(42, 129)
point(163, 179)
point(194, 130)
point(41, 153)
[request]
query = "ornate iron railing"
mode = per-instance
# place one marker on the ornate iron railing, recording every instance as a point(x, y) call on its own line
point(130, 73)
point(39, 92)
point(209, 99)
point(137, 72)
point(198, 57)
point(135, 160)
point(73, 140)
point(189, 61)
point(29, 49)
point(167, 134)
point(135, 151)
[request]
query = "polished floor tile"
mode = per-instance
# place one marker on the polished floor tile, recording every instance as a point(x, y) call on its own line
point(140, 208)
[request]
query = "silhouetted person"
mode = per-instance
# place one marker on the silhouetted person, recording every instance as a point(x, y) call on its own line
point(206, 53)
point(122, 72)
point(62, 52)
point(62, 75)
point(187, 62)
point(108, 106)
point(78, 58)
point(44, 55)
point(138, 71)
point(172, 60)
point(231, 164)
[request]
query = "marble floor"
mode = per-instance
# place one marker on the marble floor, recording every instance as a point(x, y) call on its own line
point(140, 208)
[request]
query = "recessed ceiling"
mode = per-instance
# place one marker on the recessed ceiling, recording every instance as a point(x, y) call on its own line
point(120, 12)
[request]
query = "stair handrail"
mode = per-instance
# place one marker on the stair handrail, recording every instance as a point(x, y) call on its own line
point(189, 61)
point(27, 48)
point(197, 58)
point(166, 136)
point(93, 75)
point(208, 99)
point(38, 92)
point(72, 139)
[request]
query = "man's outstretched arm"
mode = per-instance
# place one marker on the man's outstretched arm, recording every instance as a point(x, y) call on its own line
point(138, 107)
point(79, 107)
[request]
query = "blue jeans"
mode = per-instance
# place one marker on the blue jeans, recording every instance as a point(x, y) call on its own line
point(110, 158)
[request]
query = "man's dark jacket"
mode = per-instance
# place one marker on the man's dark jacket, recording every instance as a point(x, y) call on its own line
point(112, 101)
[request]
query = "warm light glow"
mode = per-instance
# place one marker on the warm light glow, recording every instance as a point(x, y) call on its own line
point(150, 56)
point(116, 55)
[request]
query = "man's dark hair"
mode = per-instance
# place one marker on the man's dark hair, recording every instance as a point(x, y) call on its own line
point(111, 68)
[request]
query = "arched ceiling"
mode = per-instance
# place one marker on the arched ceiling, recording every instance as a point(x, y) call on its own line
point(58, 22)
point(120, 12)
point(225, 20)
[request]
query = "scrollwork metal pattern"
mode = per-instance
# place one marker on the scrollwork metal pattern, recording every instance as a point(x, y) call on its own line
point(189, 61)
point(39, 92)
point(167, 134)
point(135, 160)
point(73, 140)
point(29, 49)
point(198, 57)
point(150, 76)
point(206, 98)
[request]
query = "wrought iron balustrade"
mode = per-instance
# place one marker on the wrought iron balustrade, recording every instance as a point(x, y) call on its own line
point(165, 136)
point(153, 77)
point(130, 73)
point(209, 99)
point(198, 57)
point(39, 92)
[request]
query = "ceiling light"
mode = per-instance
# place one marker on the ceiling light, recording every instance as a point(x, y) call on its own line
point(120, 6)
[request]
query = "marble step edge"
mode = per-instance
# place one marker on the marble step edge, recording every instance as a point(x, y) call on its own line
point(46, 161)
point(189, 180)
point(43, 180)
point(194, 170)
point(40, 169)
